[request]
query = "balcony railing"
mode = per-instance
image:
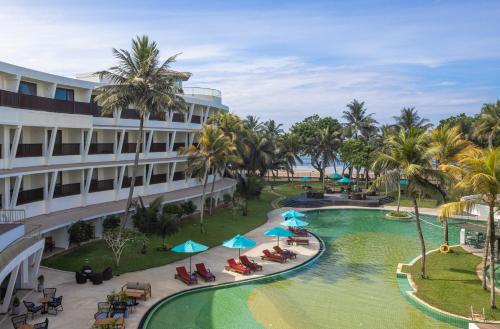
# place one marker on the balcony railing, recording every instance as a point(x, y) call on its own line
point(130, 147)
point(157, 117)
point(127, 181)
point(66, 190)
point(66, 149)
point(101, 148)
point(29, 150)
point(178, 117)
point(158, 147)
point(37, 103)
point(179, 175)
point(196, 119)
point(130, 114)
point(178, 145)
point(158, 179)
point(101, 185)
point(28, 196)
point(198, 91)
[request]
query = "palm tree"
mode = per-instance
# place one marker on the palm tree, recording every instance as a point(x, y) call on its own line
point(488, 124)
point(257, 151)
point(270, 128)
point(358, 121)
point(407, 156)
point(446, 146)
point(478, 173)
point(140, 80)
point(214, 149)
point(289, 151)
point(253, 123)
point(409, 118)
point(323, 147)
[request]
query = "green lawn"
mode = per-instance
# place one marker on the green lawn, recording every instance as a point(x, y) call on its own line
point(453, 284)
point(220, 226)
point(407, 202)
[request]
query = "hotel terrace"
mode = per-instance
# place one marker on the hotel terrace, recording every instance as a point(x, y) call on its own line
point(62, 161)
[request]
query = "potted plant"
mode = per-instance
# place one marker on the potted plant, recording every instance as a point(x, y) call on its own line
point(15, 306)
point(41, 280)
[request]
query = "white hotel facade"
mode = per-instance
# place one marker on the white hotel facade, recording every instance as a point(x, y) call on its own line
point(62, 161)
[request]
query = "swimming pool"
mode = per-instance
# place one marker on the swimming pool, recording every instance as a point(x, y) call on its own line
point(352, 285)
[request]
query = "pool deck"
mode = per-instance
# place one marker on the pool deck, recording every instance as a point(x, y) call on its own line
point(80, 301)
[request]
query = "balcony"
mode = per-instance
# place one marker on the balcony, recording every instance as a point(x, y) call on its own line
point(37, 103)
point(179, 175)
point(197, 91)
point(101, 148)
point(158, 147)
point(29, 150)
point(28, 196)
point(66, 190)
point(130, 114)
point(127, 180)
point(196, 119)
point(101, 185)
point(157, 117)
point(130, 147)
point(158, 179)
point(178, 145)
point(66, 149)
point(178, 117)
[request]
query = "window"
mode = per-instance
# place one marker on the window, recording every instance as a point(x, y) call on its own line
point(27, 88)
point(65, 94)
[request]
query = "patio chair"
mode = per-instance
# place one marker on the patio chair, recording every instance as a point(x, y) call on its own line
point(103, 310)
point(96, 278)
point(42, 325)
point(55, 305)
point(119, 310)
point(107, 274)
point(19, 320)
point(184, 276)
point(272, 257)
point(32, 308)
point(285, 252)
point(80, 278)
point(204, 273)
point(250, 264)
point(238, 268)
point(49, 293)
point(143, 287)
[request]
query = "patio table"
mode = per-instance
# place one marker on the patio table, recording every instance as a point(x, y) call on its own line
point(120, 322)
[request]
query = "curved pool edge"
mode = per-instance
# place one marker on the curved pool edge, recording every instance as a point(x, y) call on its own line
point(408, 289)
point(147, 315)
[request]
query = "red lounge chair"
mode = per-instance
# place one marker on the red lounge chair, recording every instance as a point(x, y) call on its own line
point(287, 253)
point(250, 264)
point(296, 241)
point(299, 232)
point(204, 273)
point(272, 257)
point(235, 267)
point(184, 276)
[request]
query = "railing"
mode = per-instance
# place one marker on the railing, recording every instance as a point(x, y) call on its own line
point(198, 91)
point(196, 119)
point(101, 185)
point(12, 216)
point(157, 117)
point(178, 145)
point(178, 117)
point(66, 149)
point(127, 181)
point(29, 150)
point(158, 147)
point(179, 175)
point(130, 147)
point(158, 179)
point(28, 196)
point(101, 148)
point(130, 114)
point(66, 190)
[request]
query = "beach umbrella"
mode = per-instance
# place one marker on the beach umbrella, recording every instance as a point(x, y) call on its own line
point(239, 241)
point(403, 182)
point(292, 213)
point(294, 222)
point(335, 176)
point(345, 180)
point(305, 179)
point(189, 247)
point(278, 232)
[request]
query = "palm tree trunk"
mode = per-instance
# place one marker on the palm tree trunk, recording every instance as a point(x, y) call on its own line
point(212, 191)
point(134, 171)
point(420, 237)
point(486, 253)
point(334, 166)
point(491, 224)
point(399, 193)
point(366, 178)
point(445, 228)
point(202, 206)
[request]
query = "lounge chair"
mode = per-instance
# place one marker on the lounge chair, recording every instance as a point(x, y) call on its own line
point(250, 264)
point(144, 288)
point(204, 273)
point(299, 232)
point(235, 267)
point(285, 252)
point(295, 241)
point(96, 277)
point(272, 257)
point(33, 308)
point(42, 325)
point(55, 305)
point(184, 276)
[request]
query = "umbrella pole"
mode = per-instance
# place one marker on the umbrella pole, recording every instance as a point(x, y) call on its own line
point(278, 238)
point(239, 252)
point(189, 263)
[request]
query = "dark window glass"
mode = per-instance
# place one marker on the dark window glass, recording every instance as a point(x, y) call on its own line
point(65, 94)
point(27, 88)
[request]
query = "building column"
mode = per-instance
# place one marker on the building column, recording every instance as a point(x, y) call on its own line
point(190, 115)
point(172, 142)
point(15, 192)
point(4, 308)
point(15, 144)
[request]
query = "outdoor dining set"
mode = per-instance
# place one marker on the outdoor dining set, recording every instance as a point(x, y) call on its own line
point(48, 304)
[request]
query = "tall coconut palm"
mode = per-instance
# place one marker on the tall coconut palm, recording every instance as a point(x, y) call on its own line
point(478, 173)
point(214, 149)
point(409, 118)
point(323, 147)
point(447, 144)
point(488, 124)
point(257, 151)
point(407, 156)
point(140, 79)
point(253, 123)
point(289, 151)
point(358, 121)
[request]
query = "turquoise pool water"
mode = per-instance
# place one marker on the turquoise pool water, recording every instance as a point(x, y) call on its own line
point(352, 285)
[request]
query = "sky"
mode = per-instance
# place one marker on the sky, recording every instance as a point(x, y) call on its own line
point(282, 60)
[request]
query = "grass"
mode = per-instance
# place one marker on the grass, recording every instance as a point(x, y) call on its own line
point(407, 202)
point(221, 226)
point(453, 284)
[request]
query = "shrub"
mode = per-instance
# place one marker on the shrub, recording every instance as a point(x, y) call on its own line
point(207, 202)
point(228, 198)
point(188, 207)
point(80, 232)
point(111, 222)
point(146, 218)
point(172, 209)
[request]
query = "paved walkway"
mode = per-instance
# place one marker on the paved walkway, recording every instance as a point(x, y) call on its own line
point(80, 301)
